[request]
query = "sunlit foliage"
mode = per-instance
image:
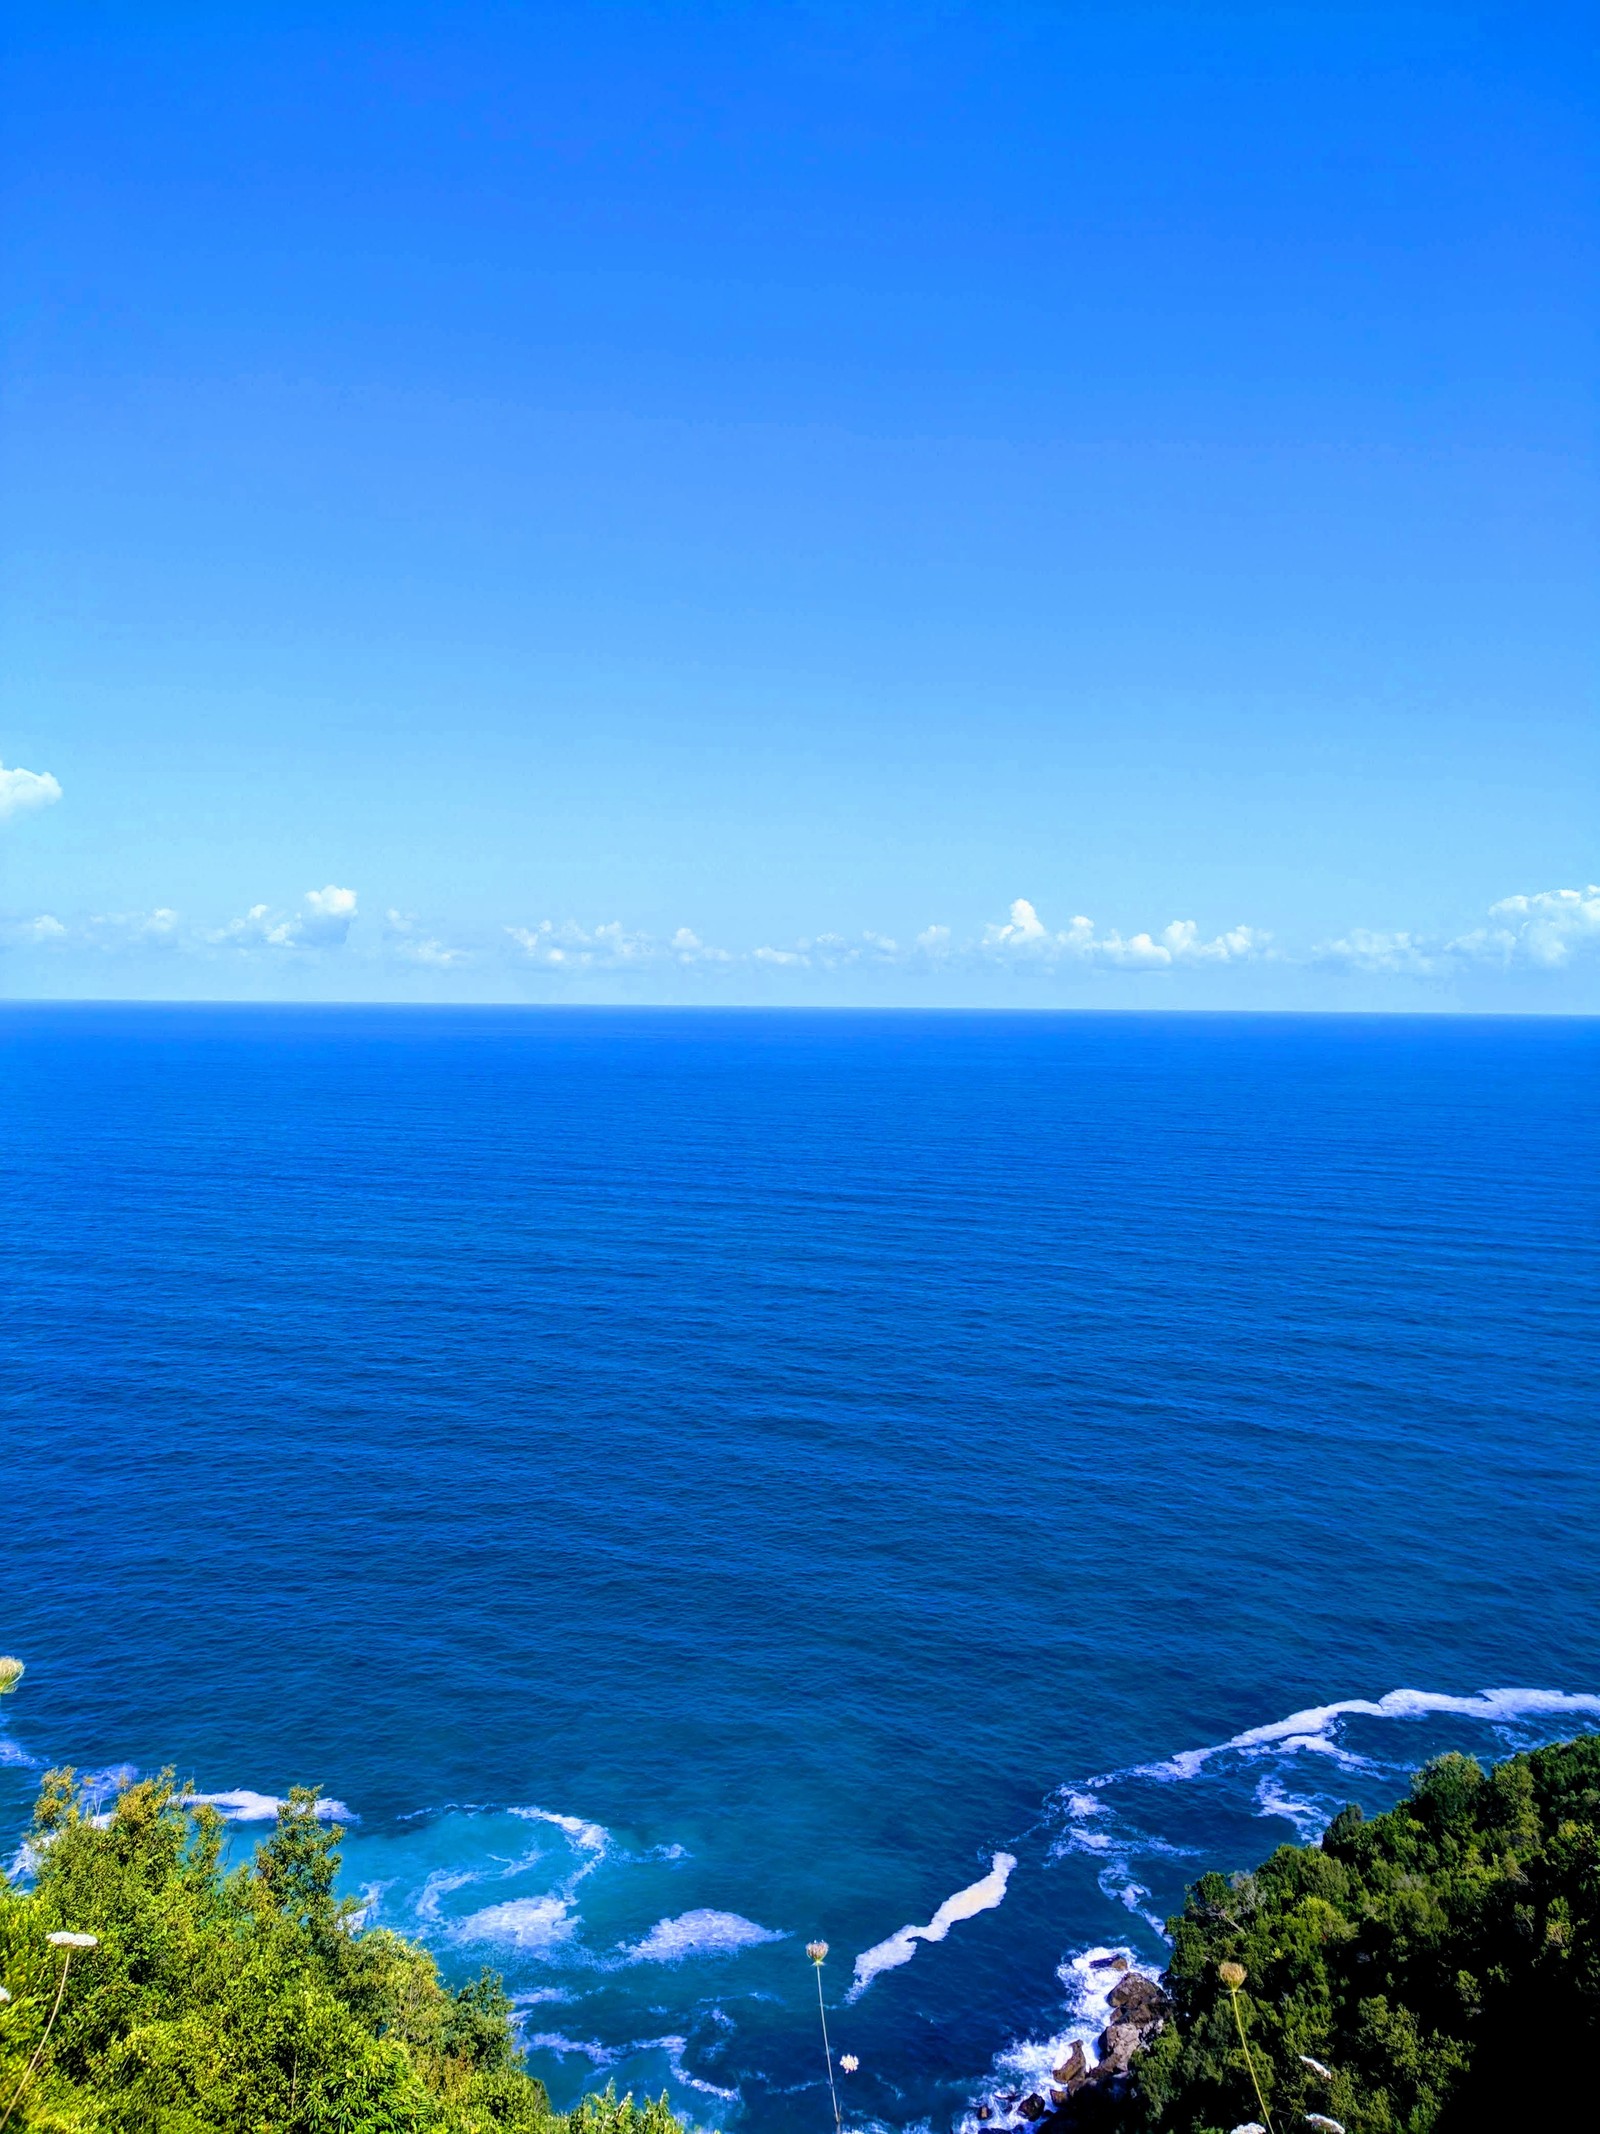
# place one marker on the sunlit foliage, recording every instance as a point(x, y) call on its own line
point(242, 2001)
point(1439, 1964)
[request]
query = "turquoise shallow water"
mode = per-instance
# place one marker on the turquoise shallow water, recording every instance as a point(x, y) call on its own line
point(692, 1482)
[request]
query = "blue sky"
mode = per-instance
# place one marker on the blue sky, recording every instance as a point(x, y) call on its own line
point(1072, 505)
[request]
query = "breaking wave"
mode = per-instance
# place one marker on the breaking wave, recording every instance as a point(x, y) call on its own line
point(1314, 1731)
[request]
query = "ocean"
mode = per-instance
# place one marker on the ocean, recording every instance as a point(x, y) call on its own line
point(689, 1483)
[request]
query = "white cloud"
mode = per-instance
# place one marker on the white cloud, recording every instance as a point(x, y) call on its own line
point(689, 948)
point(561, 947)
point(832, 952)
point(21, 790)
point(1024, 931)
point(1183, 944)
point(1546, 928)
point(132, 928)
point(1363, 950)
point(404, 941)
point(1543, 931)
point(327, 918)
point(432, 955)
point(250, 931)
point(611, 947)
point(324, 923)
point(46, 931)
point(1140, 953)
point(105, 931)
point(1025, 938)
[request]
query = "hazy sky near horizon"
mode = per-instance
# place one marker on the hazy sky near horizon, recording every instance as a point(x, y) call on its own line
point(1078, 504)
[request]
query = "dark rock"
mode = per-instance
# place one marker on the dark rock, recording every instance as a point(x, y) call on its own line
point(1074, 2067)
point(983, 2112)
point(1118, 2044)
point(1140, 2001)
point(1093, 2096)
point(1033, 2107)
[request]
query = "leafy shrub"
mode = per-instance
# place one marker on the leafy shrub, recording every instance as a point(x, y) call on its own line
point(1442, 1961)
point(243, 2002)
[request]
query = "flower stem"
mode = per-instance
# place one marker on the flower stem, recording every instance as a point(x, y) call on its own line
point(1233, 1995)
point(838, 2123)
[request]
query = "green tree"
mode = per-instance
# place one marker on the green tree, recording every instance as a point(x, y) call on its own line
point(242, 2002)
point(1442, 1962)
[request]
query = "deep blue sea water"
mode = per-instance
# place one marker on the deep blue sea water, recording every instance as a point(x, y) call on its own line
point(692, 1482)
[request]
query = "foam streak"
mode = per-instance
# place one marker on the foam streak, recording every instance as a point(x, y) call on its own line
point(900, 1948)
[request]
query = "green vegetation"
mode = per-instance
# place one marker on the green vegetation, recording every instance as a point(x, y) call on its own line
point(243, 2002)
point(1440, 1964)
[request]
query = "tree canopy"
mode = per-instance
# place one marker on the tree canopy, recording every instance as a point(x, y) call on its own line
point(241, 2002)
point(1431, 1970)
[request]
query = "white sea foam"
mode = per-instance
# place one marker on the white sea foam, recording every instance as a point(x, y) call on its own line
point(1117, 1846)
point(371, 1899)
point(511, 1877)
point(24, 1861)
point(1027, 2065)
point(532, 1924)
point(700, 1933)
point(901, 1947)
point(555, 2041)
point(243, 1806)
point(1311, 1729)
point(1100, 1841)
point(674, 2049)
point(443, 1882)
point(1308, 1819)
point(602, 2056)
point(592, 1837)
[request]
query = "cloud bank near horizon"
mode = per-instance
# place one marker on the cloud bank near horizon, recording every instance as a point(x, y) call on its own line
point(1542, 931)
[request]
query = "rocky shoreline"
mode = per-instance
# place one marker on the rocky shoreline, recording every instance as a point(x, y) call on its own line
point(1083, 2093)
